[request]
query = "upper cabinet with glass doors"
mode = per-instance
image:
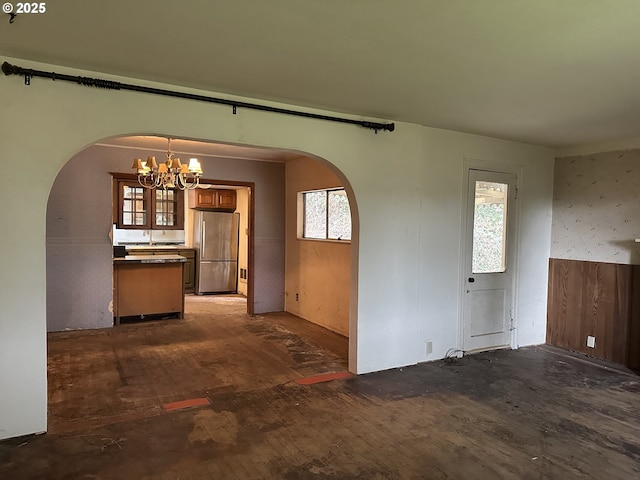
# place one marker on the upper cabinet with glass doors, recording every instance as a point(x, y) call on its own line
point(137, 207)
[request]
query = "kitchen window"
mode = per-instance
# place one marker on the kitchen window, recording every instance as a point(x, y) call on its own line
point(324, 215)
point(137, 207)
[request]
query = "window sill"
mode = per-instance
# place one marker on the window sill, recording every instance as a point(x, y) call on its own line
point(325, 240)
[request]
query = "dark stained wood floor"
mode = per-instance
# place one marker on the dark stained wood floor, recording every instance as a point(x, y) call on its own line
point(534, 413)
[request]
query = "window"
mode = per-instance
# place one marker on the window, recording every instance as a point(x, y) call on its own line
point(490, 228)
point(325, 215)
point(137, 207)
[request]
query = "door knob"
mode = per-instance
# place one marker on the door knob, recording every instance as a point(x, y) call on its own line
point(471, 279)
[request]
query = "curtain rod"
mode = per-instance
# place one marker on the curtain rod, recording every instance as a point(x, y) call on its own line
point(28, 73)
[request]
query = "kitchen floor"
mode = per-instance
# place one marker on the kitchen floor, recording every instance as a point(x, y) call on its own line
point(225, 395)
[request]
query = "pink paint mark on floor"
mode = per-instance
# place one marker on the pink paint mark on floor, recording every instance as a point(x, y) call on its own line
point(324, 378)
point(193, 402)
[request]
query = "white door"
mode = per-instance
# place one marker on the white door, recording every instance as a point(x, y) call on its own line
point(489, 261)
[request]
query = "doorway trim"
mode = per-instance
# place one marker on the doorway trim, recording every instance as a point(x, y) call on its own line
point(250, 238)
point(495, 167)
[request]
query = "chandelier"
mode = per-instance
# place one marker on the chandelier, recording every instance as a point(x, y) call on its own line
point(169, 174)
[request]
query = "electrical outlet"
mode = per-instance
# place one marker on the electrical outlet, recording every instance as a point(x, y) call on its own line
point(429, 347)
point(591, 341)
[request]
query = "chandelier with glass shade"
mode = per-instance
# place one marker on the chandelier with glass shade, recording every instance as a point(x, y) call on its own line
point(169, 174)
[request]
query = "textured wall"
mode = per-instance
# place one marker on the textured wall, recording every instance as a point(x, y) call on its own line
point(596, 207)
point(79, 269)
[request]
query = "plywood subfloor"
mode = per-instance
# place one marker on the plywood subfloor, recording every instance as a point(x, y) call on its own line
point(535, 413)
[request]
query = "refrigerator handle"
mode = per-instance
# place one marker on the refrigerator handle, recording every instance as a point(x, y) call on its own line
point(204, 236)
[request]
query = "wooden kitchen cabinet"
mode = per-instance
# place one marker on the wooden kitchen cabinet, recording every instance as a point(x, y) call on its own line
point(221, 200)
point(227, 199)
point(189, 269)
point(189, 265)
point(147, 287)
point(136, 207)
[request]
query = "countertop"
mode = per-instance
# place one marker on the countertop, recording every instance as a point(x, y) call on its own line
point(150, 259)
point(156, 247)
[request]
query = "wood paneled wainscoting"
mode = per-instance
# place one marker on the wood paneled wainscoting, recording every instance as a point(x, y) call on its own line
point(595, 299)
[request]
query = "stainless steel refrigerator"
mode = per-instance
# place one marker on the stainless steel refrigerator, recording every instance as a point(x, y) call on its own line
point(215, 236)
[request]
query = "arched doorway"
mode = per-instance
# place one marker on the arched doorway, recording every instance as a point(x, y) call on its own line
point(79, 217)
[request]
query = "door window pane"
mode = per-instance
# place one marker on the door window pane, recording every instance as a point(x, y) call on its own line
point(489, 228)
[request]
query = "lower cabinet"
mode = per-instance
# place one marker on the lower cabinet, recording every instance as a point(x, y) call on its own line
point(147, 288)
point(189, 265)
point(189, 269)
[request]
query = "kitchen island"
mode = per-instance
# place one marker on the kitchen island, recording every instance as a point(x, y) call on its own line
point(148, 285)
point(163, 249)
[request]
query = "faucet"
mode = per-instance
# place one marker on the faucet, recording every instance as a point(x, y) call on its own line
point(150, 233)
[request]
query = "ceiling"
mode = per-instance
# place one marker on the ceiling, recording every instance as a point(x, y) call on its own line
point(148, 144)
point(559, 73)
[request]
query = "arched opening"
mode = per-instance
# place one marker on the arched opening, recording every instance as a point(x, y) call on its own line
point(79, 233)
